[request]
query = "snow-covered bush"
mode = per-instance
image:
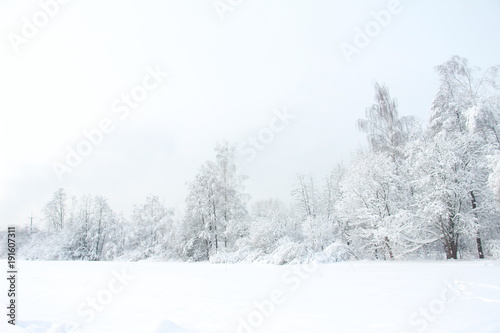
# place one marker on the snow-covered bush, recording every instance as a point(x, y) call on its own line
point(44, 246)
point(336, 252)
point(290, 252)
point(271, 221)
point(319, 232)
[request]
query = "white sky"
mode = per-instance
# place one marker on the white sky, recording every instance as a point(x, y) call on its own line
point(225, 79)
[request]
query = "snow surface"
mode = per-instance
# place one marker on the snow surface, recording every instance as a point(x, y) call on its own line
point(459, 296)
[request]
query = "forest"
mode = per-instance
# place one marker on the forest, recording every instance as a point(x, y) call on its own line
point(419, 190)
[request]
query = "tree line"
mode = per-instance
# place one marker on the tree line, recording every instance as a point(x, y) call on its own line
point(415, 192)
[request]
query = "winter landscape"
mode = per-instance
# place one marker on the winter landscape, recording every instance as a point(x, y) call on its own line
point(360, 296)
point(250, 167)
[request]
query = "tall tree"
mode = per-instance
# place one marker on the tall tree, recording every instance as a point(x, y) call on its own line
point(306, 196)
point(231, 192)
point(215, 205)
point(332, 191)
point(386, 131)
point(55, 211)
point(465, 113)
point(90, 230)
point(374, 208)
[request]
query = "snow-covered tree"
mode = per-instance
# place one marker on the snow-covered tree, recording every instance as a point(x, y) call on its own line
point(445, 173)
point(373, 208)
point(314, 210)
point(386, 131)
point(306, 196)
point(232, 198)
point(271, 221)
point(86, 236)
point(467, 100)
point(151, 232)
point(55, 211)
point(494, 177)
point(413, 193)
point(464, 124)
point(332, 192)
point(215, 206)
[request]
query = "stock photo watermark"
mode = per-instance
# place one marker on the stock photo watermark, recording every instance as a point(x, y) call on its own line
point(11, 275)
point(264, 309)
point(363, 36)
point(92, 306)
point(31, 26)
point(104, 297)
point(94, 137)
point(428, 314)
point(222, 7)
point(253, 144)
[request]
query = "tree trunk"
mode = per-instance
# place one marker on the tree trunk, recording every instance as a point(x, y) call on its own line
point(215, 227)
point(450, 239)
point(386, 241)
point(216, 238)
point(208, 249)
point(478, 236)
point(451, 248)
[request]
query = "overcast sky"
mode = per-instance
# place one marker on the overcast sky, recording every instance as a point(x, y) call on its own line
point(230, 72)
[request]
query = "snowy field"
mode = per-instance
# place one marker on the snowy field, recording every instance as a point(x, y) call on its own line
point(201, 297)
